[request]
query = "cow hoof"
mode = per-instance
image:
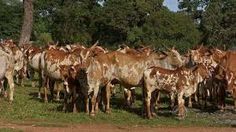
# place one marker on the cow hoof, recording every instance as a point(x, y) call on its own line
point(180, 117)
point(92, 114)
point(108, 111)
point(5, 95)
point(33, 85)
point(154, 114)
point(75, 111)
point(190, 105)
point(11, 102)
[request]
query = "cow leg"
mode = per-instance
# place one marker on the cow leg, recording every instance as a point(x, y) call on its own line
point(94, 100)
point(148, 106)
point(234, 97)
point(127, 95)
point(58, 87)
point(86, 100)
point(45, 90)
point(9, 77)
point(65, 106)
point(98, 100)
point(190, 105)
point(181, 107)
point(172, 100)
point(52, 84)
point(195, 97)
point(74, 100)
point(133, 95)
point(31, 76)
point(154, 97)
point(41, 83)
point(107, 99)
point(157, 99)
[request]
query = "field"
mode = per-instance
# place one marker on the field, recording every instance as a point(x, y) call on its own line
point(27, 109)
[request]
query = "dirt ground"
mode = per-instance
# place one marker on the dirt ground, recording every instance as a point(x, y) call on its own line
point(111, 128)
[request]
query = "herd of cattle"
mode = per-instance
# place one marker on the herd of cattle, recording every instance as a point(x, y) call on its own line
point(89, 74)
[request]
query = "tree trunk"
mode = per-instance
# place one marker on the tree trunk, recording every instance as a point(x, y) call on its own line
point(27, 22)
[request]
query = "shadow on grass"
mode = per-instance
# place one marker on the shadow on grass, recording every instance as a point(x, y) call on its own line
point(34, 96)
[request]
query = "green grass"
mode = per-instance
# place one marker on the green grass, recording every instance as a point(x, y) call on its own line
point(27, 109)
point(10, 130)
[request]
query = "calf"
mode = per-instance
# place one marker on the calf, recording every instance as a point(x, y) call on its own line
point(182, 81)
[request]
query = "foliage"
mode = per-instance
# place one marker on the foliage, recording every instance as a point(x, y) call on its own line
point(216, 20)
point(133, 22)
point(11, 13)
point(219, 23)
point(43, 39)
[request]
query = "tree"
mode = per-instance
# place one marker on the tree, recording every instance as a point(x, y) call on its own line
point(27, 22)
point(219, 23)
point(11, 14)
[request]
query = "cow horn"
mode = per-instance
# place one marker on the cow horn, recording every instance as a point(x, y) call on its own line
point(95, 44)
point(166, 47)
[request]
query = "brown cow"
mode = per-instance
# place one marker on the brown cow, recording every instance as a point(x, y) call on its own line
point(182, 81)
point(227, 71)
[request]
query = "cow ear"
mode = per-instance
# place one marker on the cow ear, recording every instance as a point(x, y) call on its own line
point(173, 48)
point(164, 53)
point(194, 68)
point(62, 67)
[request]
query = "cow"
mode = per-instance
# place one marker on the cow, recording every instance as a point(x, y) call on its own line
point(71, 86)
point(182, 81)
point(50, 60)
point(210, 57)
point(227, 71)
point(69, 74)
point(120, 68)
point(145, 51)
point(7, 68)
point(18, 59)
point(33, 61)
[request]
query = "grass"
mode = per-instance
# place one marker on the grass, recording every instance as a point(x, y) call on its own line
point(10, 130)
point(27, 109)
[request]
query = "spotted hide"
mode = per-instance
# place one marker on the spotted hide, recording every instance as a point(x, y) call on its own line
point(116, 66)
point(182, 81)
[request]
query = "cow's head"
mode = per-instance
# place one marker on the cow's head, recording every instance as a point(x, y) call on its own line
point(203, 71)
point(174, 58)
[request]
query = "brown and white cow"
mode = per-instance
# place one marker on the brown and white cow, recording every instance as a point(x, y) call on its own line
point(210, 57)
point(145, 51)
point(51, 59)
point(182, 81)
point(227, 71)
point(33, 59)
point(7, 68)
point(119, 67)
point(18, 59)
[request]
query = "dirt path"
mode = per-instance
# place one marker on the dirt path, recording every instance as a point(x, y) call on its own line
point(111, 128)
